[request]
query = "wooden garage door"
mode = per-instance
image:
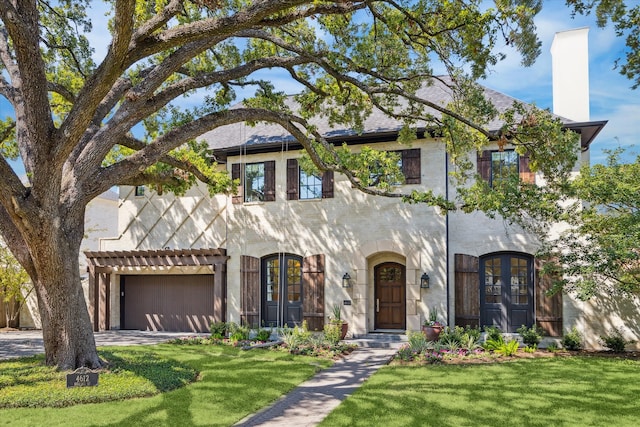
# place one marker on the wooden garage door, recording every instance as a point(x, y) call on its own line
point(180, 303)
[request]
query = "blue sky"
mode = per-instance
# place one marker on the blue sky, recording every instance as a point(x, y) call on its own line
point(611, 98)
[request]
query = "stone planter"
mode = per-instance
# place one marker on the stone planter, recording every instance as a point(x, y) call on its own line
point(432, 332)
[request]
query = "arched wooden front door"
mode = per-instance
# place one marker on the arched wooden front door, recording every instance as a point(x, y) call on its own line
point(390, 301)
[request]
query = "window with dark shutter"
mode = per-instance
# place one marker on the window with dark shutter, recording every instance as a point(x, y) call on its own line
point(497, 166)
point(327, 185)
point(411, 166)
point(249, 291)
point(467, 286)
point(525, 172)
point(236, 173)
point(313, 291)
point(484, 165)
point(270, 181)
point(548, 308)
point(292, 179)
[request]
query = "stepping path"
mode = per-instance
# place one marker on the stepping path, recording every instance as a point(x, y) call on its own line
point(310, 402)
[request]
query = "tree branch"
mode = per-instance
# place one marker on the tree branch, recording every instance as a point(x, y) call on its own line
point(100, 83)
point(138, 145)
point(256, 15)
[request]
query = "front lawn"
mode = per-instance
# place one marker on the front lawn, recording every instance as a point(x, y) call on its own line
point(556, 391)
point(231, 384)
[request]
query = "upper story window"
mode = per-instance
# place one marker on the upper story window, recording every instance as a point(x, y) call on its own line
point(303, 186)
point(139, 191)
point(504, 165)
point(257, 181)
point(409, 164)
point(310, 186)
point(496, 167)
point(254, 182)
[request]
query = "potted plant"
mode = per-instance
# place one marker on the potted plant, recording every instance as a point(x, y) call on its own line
point(431, 328)
point(336, 319)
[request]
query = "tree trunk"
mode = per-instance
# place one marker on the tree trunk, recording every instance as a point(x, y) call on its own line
point(66, 326)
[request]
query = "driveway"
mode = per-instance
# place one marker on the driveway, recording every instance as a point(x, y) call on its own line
point(28, 343)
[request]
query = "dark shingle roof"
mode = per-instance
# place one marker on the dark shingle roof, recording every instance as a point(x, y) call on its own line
point(232, 138)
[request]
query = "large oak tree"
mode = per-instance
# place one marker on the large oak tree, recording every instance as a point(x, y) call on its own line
point(81, 126)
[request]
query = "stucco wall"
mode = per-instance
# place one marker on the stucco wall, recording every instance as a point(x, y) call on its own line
point(354, 231)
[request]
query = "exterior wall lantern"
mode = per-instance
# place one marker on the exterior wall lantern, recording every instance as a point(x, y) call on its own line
point(346, 280)
point(424, 281)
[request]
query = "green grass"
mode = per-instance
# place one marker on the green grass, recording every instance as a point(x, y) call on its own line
point(231, 385)
point(577, 391)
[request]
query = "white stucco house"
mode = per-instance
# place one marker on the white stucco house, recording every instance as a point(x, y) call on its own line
point(290, 246)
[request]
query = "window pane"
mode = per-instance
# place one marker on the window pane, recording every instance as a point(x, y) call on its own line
point(310, 186)
point(493, 283)
point(504, 164)
point(254, 182)
point(519, 285)
point(294, 280)
point(273, 279)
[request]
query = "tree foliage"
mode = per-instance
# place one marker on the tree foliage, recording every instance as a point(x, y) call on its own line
point(14, 285)
point(625, 16)
point(599, 249)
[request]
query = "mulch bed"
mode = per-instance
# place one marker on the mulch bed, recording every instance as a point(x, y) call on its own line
point(486, 358)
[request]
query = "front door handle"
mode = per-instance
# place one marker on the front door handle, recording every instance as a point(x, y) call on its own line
point(377, 305)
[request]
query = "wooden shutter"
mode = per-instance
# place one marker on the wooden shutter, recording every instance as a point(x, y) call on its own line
point(484, 164)
point(327, 185)
point(525, 172)
point(270, 181)
point(249, 291)
point(411, 166)
point(313, 291)
point(548, 308)
point(293, 179)
point(236, 173)
point(467, 286)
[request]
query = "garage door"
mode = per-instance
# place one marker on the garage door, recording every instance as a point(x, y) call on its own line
point(180, 303)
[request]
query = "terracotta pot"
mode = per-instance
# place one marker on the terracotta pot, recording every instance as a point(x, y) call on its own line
point(345, 328)
point(432, 332)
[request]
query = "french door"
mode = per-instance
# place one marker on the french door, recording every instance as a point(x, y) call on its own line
point(282, 290)
point(506, 291)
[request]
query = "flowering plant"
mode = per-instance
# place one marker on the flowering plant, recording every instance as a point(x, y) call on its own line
point(433, 318)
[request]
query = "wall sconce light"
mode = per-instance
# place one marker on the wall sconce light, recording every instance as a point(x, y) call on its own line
point(346, 280)
point(424, 281)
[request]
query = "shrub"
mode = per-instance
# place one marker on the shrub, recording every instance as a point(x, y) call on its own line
point(530, 336)
point(614, 341)
point(508, 348)
point(218, 330)
point(417, 341)
point(263, 335)
point(493, 333)
point(238, 332)
point(296, 336)
point(572, 340)
point(332, 333)
point(552, 348)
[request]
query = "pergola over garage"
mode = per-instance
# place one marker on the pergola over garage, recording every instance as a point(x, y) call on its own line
point(168, 290)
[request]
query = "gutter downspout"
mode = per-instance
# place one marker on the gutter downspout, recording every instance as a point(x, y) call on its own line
point(446, 231)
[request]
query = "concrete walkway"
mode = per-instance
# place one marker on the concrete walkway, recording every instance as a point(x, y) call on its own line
point(309, 403)
point(28, 343)
point(306, 405)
